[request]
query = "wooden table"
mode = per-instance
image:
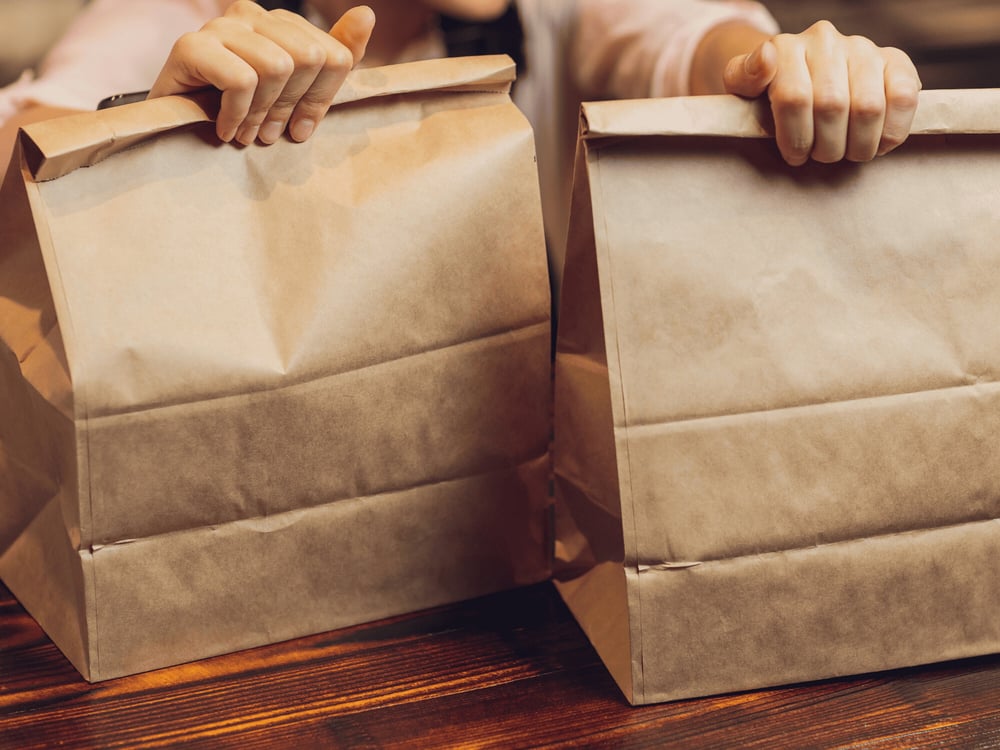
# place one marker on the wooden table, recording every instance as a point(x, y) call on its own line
point(510, 670)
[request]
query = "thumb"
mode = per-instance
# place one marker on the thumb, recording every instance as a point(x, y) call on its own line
point(354, 29)
point(750, 75)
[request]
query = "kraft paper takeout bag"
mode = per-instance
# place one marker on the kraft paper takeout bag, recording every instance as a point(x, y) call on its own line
point(777, 401)
point(252, 393)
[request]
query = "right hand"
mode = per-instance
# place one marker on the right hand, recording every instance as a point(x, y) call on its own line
point(833, 96)
point(276, 70)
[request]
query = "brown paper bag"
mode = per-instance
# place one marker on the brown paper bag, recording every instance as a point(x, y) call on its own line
point(252, 393)
point(777, 400)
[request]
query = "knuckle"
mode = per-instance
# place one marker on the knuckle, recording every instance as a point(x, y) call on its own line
point(785, 40)
point(286, 15)
point(339, 59)
point(867, 108)
point(860, 44)
point(222, 25)
point(275, 114)
point(903, 95)
point(896, 55)
point(790, 99)
point(311, 56)
point(823, 27)
point(244, 8)
point(901, 72)
point(244, 79)
point(278, 66)
point(313, 105)
point(830, 102)
point(255, 117)
point(186, 43)
point(314, 110)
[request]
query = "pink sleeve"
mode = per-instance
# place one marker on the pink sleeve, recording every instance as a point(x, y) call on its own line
point(114, 46)
point(643, 48)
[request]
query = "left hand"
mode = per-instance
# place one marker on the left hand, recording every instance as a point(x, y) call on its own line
point(833, 96)
point(276, 71)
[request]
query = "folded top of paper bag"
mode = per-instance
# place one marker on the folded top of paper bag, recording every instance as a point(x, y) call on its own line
point(946, 110)
point(56, 147)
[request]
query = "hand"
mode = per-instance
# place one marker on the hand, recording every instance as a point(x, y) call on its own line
point(274, 68)
point(833, 96)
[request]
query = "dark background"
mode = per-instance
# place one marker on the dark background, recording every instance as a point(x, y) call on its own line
point(954, 43)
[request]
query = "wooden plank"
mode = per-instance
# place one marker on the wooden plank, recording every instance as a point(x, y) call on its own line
point(510, 670)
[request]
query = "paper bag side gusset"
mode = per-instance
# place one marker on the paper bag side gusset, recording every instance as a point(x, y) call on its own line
point(37, 432)
point(26, 314)
point(390, 498)
point(588, 568)
point(694, 541)
point(39, 512)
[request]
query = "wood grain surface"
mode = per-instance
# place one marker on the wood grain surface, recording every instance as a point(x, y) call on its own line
point(510, 670)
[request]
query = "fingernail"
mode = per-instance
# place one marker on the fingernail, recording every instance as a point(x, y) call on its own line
point(271, 131)
point(752, 63)
point(302, 129)
point(247, 134)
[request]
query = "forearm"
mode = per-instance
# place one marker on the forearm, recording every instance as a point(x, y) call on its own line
point(716, 49)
